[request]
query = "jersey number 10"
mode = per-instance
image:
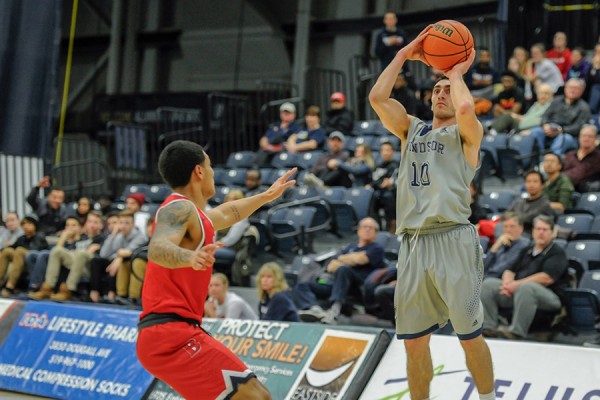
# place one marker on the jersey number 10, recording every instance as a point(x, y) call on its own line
point(420, 174)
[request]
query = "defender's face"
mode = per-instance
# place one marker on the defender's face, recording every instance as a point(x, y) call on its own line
point(441, 102)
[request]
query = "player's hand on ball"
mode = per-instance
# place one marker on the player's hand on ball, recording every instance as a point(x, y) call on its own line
point(205, 257)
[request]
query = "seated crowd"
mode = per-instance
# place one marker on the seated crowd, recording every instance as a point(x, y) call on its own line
point(80, 253)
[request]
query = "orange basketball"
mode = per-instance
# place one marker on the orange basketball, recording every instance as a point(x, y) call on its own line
point(447, 44)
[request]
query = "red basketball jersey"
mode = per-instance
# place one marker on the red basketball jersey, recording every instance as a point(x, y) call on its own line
point(181, 291)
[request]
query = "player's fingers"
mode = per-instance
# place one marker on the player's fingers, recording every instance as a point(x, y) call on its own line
point(287, 175)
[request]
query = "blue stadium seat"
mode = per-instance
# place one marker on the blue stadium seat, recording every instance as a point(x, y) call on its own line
point(353, 142)
point(219, 174)
point(241, 159)
point(354, 206)
point(288, 228)
point(269, 176)
point(521, 154)
point(158, 193)
point(498, 201)
point(135, 188)
point(220, 193)
point(369, 127)
point(307, 159)
point(392, 247)
point(584, 251)
point(591, 202)
point(484, 241)
point(285, 160)
point(583, 303)
point(234, 177)
point(580, 223)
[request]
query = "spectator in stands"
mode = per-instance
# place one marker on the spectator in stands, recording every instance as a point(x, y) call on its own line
point(579, 65)
point(51, 211)
point(323, 167)
point(536, 203)
point(477, 212)
point(535, 281)
point(16, 252)
point(222, 303)
point(582, 166)
point(235, 255)
point(481, 77)
point(563, 119)
point(593, 82)
point(37, 260)
point(311, 138)
point(347, 273)
point(275, 301)
point(532, 118)
point(354, 172)
point(560, 53)
point(84, 205)
point(389, 40)
point(133, 204)
point(115, 251)
point(558, 188)
point(379, 291)
point(541, 70)
point(424, 109)
point(75, 260)
point(339, 117)
point(104, 204)
point(253, 180)
point(112, 220)
point(510, 100)
point(507, 247)
point(384, 184)
point(521, 55)
point(272, 141)
point(11, 230)
point(131, 274)
point(404, 94)
point(514, 66)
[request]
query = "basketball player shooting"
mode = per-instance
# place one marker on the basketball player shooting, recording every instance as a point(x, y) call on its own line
point(171, 344)
point(440, 268)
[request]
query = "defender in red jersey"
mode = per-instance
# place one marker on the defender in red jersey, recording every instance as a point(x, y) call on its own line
point(171, 344)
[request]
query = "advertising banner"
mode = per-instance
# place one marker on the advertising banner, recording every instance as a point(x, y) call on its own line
point(294, 360)
point(73, 352)
point(522, 370)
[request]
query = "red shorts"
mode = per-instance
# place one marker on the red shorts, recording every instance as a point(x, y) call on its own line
point(191, 361)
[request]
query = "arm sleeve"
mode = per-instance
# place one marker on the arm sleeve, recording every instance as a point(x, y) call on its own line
point(33, 198)
point(582, 118)
point(555, 263)
point(138, 240)
point(240, 310)
point(235, 233)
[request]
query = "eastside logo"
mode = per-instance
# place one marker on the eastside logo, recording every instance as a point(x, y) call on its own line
point(34, 320)
point(334, 363)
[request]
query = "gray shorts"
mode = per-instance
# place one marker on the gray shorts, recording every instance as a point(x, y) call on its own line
point(439, 279)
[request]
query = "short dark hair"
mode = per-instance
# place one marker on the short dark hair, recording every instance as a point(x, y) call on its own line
point(74, 218)
point(558, 157)
point(387, 143)
point(178, 160)
point(509, 74)
point(511, 215)
point(126, 214)
point(545, 219)
point(538, 173)
point(255, 171)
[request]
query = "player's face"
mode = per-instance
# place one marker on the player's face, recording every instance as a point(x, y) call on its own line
point(266, 281)
point(441, 102)
point(542, 233)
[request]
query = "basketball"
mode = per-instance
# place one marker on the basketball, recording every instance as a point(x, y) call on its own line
point(447, 44)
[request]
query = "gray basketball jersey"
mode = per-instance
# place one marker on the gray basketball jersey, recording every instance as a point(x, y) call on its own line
point(433, 179)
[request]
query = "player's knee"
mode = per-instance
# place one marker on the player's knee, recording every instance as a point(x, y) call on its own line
point(417, 345)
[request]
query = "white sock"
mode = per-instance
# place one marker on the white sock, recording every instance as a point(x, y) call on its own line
point(489, 396)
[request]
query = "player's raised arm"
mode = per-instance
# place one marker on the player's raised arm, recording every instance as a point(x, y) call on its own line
point(469, 126)
point(231, 212)
point(392, 114)
point(171, 227)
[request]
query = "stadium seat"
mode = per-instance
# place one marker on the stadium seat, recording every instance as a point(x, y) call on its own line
point(353, 142)
point(219, 174)
point(241, 159)
point(285, 160)
point(591, 202)
point(220, 193)
point(269, 176)
point(521, 154)
point(498, 201)
point(354, 206)
point(234, 177)
point(392, 248)
point(135, 188)
point(484, 241)
point(580, 223)
point(158, 193)
point(307, 159)
point(585, 251)
point(288, 228)
point(583, 303)
point(369, 127)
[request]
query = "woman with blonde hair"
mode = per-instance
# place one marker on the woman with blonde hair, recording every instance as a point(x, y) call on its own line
point(275, 301)
point(222, 303)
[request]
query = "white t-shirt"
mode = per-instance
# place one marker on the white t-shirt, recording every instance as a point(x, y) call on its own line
point(235, 307)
